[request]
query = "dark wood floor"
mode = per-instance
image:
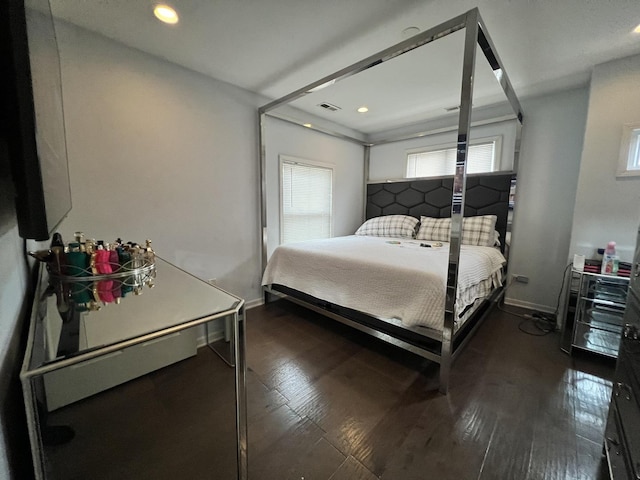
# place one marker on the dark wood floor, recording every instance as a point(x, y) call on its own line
point(326, 402)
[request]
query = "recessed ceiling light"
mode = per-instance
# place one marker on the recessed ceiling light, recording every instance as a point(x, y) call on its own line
point(637, 29)
point(308, 125)
point(165, 14)
point(363, 110)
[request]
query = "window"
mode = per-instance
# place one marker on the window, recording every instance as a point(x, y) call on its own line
point(306, 200)
point(629, 161)
point(440, 161)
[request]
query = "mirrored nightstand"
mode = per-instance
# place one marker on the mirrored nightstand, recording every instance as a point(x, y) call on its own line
point(594, 309)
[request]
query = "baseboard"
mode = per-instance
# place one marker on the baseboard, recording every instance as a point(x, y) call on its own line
point(215, 335)
point(528, 305)
point(254, 303)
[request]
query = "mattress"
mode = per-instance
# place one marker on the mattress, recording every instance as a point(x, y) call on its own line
point(389, 278)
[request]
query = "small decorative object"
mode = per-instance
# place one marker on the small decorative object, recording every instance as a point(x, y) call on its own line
point(90, 273)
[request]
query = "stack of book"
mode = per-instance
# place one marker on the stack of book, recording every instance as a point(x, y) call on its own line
point(624, 269)
point(592, 266)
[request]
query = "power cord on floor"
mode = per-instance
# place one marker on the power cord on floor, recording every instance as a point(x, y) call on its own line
point(542, 323)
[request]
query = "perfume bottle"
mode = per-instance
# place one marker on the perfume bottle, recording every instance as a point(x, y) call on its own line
point(77, 263)
point(59, 255)
point(124, 256)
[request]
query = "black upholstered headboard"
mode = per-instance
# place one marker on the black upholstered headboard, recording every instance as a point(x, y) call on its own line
point(486, 195)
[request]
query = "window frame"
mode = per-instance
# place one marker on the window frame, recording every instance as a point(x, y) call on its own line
point(630, 142)
point(309, 163)
point(497, 149)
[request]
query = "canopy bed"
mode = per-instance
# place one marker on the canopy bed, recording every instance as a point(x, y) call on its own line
point(417, 232)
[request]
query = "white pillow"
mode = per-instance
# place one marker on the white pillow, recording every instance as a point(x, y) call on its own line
point(389, 226)
point(478, 230)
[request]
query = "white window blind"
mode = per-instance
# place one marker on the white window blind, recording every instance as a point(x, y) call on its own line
point(629, 159)
point(306, 208)
point(633, 162)
point(437, 163)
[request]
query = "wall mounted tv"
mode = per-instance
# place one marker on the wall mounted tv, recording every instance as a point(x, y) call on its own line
point(37, 142)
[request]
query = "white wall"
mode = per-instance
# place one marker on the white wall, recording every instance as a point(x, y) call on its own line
point(160, 152)
point(389, 161)
point(550, 154)
point(608, 208)
point(347, 158)
point(13, 288)
point(157, 151)
point(14, 285)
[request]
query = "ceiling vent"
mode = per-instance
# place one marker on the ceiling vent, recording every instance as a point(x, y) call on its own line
point(328, 106)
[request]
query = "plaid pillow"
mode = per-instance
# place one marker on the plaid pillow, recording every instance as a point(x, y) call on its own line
point(477, 230)
point(389, 226)
point(434, 229)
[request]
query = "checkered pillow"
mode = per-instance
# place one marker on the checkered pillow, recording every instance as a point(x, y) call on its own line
point(477, 230)
point(389, 226)
point(434, 229)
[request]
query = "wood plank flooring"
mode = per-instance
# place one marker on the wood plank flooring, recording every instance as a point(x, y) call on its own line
point(327, 402)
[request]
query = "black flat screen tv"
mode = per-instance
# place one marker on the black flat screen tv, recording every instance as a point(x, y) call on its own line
point(35, 118)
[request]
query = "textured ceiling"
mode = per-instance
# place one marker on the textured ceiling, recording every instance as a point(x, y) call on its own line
point(273, 47)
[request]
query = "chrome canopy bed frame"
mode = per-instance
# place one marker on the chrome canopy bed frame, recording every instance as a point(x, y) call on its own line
point(440, 347)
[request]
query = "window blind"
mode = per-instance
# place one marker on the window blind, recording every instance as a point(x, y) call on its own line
point(437, 163)
point(306, 202)
point(633, 162)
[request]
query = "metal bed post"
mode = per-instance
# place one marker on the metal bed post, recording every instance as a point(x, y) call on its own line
point(458, 194)
point(262, 149)
point(367, 163)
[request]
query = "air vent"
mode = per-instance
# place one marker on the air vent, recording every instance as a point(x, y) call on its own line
point(328, 106)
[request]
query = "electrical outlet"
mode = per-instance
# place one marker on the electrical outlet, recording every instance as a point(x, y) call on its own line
point(521, 278)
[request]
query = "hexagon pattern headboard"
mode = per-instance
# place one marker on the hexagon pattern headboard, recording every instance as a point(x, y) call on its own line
point(486, 195)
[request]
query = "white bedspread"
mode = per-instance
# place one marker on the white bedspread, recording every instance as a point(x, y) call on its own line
point(384, 277)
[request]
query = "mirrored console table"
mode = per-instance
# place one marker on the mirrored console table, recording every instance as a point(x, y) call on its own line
point(77, 349)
